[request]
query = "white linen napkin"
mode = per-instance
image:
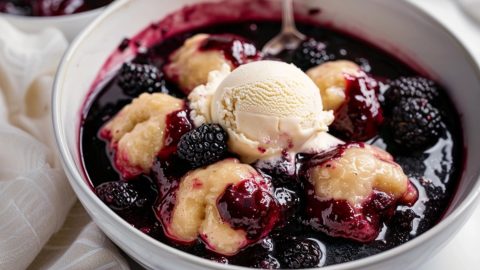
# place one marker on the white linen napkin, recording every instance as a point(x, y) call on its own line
point(35, 197)
point(472, 7)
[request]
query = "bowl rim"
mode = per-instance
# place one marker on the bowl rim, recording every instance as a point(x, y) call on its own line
point(77, 180)
point(63, 18)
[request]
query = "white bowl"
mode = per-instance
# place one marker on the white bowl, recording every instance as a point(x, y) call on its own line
point(70, 25)
point(396, 26)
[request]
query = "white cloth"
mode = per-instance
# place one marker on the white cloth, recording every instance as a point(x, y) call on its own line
point(472, 7)
point(35, 197)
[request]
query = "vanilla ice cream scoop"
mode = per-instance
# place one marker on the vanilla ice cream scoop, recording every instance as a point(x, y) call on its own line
point(268, 107)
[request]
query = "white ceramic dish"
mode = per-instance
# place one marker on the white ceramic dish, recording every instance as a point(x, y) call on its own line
point(70, 25)
point(396, 26)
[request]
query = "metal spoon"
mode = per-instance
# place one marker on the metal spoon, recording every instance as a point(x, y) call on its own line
point(290, 38)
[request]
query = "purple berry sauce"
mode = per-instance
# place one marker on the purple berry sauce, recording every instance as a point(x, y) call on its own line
point(250, 207)
point(435, 171)
point(360, 118)
point(177, 124)
point(237, 50)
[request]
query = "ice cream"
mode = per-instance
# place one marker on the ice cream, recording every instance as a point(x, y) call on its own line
point(268, 107)
point(321, 142)
point(200, 98)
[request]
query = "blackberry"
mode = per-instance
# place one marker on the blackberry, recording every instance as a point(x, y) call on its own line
point(119, 196)
point(415, 123)
point(135, 79)
point(402, 220)
point(311, 53)
point(410, 87)
point(436, 203)
point(301, 254)
point(268, 263)
point(203, 146)
point(400, 227)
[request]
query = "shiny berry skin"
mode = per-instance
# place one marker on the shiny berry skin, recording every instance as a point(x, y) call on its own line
point(203, 146)
point(410, 87)
point(250, 207)
point(400, 226)
point(268, 263)
point(236, 49)
point(361, 116)
point(311, 53)
point(299, 254)
point(119, 196)
point(135, 79)
point(415, 124)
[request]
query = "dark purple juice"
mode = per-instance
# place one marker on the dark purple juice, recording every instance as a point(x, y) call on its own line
point(43, 8)
point(435, 172)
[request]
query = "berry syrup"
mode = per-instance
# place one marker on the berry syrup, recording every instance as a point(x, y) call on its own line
point(249, 207)
point(359, 119)
point(237, 50)
point(178, 123)
point(435, 172)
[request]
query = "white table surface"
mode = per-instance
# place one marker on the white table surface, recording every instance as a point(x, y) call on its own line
point(463, 253)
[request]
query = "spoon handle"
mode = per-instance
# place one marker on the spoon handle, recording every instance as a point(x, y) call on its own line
point(288, 22)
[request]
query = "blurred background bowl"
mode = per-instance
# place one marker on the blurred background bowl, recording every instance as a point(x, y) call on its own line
point(70, 25)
